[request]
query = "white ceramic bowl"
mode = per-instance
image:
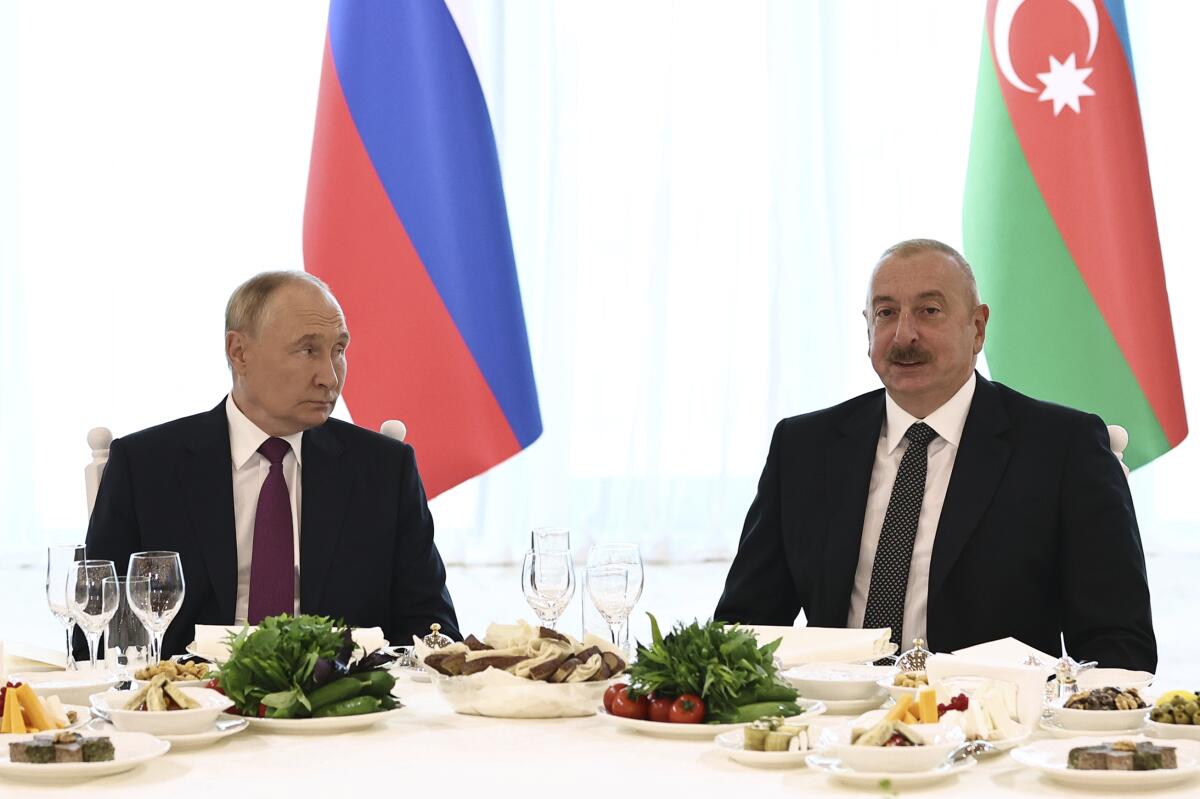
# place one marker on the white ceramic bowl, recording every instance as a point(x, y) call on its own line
point(838, 681)
point(71, 687)
point(938, 743)
point(1099, 720)
point(1117, 678)
point(1177, 731)
point(166, 722)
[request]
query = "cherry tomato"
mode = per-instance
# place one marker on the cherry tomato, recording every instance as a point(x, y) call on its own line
point(611, 694)
point(214, 684)
point(660, 708)
point(626, 706)
point(687, 709)
point(262, 710)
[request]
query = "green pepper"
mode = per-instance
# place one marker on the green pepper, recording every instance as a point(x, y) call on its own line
point(748, 713)
point(376, 683)
point(349, 707)
point(336, 691)
point(388, 702)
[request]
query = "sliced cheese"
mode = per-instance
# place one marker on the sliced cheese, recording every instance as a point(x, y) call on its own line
point(928, 706)
point(902, 704)
point(13, 721)
point(32, 705)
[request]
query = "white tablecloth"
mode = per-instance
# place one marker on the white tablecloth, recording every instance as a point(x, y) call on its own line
point(431, 751)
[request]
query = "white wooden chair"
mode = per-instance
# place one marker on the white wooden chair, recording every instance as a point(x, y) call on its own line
point(100, 439)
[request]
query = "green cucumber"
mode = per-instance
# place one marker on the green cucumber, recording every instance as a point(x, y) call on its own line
point(336, 691)
point(748, 713)
point(349, 707)
point(376, 683)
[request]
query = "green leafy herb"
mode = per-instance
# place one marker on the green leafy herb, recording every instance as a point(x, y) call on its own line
point(722, 663)
point(274, 665)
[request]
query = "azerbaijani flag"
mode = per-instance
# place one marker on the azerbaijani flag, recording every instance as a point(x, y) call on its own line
point(1058, 220)
point(405, 220)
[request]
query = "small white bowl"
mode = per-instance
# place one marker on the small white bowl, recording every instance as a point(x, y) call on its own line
point(1099, 720)
point(166, 722)
point(1185, 731)
point(71, 687)
point(1117, 678)
point(838, 682)
point(938, 743)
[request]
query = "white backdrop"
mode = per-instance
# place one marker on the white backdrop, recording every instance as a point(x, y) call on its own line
point(697, 192)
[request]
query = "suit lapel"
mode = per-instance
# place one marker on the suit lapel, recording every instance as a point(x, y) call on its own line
point(848, 465)
point(326, 484)
point(982, 457)
point(207, 477)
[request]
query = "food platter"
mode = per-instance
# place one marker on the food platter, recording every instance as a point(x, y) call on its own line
point(732, 743)
point(71, 687)
point(873, 779)
point(331, 724)
point(698, 732)
point(130, 749)
point(1050, 758)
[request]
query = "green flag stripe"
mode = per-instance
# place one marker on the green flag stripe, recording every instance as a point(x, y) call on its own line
point(1046, 336)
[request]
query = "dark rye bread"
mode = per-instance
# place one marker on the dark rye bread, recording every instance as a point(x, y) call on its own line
point(1122, 756)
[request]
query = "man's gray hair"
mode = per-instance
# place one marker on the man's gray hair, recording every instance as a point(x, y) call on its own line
point(247, 305)
point(910, 247)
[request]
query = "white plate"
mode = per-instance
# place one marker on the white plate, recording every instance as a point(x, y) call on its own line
point(130, 748)
point(1105, 721)
point(71, 687)
point(223, 727)
point(1056, 730)
point(732, 744)
point(1050, 758)
point(878, 779)
point(1117, 678)
point(838, 681)
point(331, 724)
point(853, 707)
point(698, 732)
point(1160, 730)
point(111, 705)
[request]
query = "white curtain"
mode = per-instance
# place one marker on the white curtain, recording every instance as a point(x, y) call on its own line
point(697, 191)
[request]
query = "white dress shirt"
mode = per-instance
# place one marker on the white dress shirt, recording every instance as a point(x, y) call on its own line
point(948, 422)
point(250, 468)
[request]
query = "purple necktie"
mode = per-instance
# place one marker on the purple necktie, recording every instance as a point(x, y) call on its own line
point(272, 567)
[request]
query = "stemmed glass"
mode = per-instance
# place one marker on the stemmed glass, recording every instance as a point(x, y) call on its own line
point(614, 583)
point(548, 581)
point(60, 559)
point(157, 601)
point(92, 599)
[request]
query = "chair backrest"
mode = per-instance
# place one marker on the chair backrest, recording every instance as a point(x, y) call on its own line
point(100, 438)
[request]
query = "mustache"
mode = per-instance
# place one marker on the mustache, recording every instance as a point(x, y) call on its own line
point(909, 354)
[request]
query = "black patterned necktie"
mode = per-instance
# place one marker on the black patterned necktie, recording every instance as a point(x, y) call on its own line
point(889, 573)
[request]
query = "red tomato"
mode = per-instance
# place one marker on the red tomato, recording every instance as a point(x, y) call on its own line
point(611, 694)
point(214, 684)
point(660, 708)
point(687, 709)
point(626, 706)
point(262, 710)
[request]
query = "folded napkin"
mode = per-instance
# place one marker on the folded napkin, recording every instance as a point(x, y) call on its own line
point(802, 645)
point(22, 657)
point(1007, 651)
point(1029, 680)
point(210, 639)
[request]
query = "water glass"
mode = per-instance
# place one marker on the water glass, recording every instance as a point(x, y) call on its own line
point(92, 599)
point(127, 643)
point(548, 581)
point(550, 539)
point(60, 560)
point(158, 604)
point(615, 578)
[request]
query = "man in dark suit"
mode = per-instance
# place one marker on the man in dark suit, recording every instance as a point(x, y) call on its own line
point(945, 506)
point(273, 506)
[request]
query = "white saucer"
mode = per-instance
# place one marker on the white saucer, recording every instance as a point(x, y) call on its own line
point(190, 741)
point(732, 744)
point(879, 779)
point(853, 707)
point(1058, 731)
point(129, 749)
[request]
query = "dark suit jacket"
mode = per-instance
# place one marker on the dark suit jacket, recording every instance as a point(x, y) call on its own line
point(1037, 534)
point(367, 554)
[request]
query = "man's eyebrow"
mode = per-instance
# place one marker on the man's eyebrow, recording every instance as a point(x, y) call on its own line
point(932, 294)
point(878, 298)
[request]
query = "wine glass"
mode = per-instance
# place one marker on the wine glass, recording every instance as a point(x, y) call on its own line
point(157, 605)
point(128, 640)
point(614, 583)
point(92, 599)
point(550, 539)
point(548, 580)
point(60, 559)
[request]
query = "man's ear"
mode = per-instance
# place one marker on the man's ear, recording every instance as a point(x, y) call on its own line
point(235, 351)
point(982, 314)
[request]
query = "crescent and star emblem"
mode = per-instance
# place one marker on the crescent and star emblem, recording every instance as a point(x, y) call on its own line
point(1065, 82)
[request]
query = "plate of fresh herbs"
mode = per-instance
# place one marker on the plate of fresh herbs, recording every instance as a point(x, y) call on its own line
point(300, 674)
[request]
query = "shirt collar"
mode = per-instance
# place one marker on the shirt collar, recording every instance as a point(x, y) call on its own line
point(947, 421)
point(245, 437)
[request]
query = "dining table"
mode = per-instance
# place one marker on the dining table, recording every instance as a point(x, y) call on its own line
point(428, 749)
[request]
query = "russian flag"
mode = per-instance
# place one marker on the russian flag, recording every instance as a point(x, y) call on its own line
point(406, 222)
